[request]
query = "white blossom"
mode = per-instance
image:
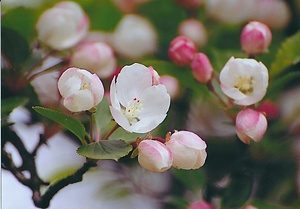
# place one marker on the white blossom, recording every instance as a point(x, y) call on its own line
point(244, 80)
point(136, 104)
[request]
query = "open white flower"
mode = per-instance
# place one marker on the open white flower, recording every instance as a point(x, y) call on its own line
point(136, 104)
point(244, 80)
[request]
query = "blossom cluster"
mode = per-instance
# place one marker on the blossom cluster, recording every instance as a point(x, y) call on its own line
point(243, 80)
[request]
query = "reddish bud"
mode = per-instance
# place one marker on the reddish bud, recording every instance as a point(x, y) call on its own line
point(255, 38)
point(202, 69)
point(182, 50)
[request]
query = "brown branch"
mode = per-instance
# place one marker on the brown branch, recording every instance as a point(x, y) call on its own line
point(44, 200)
point(35, 182)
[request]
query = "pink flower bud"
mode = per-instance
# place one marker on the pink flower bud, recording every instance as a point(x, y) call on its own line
point(154, 156)
point(182, 50)
point(250, 124)
point(270, 109)
point(172, 85)
point(80, 89)
point(63, 25)
point(255, 38)
point(201, 67)
point(96, 57)
point(188, 150)
point(155, 76)
point(194, 30)
point(200, 205)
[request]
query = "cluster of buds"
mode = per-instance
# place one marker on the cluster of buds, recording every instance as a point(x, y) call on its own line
point(182, 150)
point(243, 81)
point(183, 51)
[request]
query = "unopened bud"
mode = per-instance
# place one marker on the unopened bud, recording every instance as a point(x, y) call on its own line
point(250, 124)
point(188, 150)
point(172, 85)
point(202, 69)
point(200, 205)
point(182, 50)
point(154, 156)
point(96, 57)
point(270, 109)
point(255, 38)
point(63, 25)
point(194, 30)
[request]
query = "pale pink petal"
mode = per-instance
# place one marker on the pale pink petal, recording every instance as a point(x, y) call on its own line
point(131, 82)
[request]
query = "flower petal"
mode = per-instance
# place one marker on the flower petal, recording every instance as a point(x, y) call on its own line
point(113, 95)
point(155, 100)
point(147, 124)
point(68, 82)
point(132, 81)
point(81, 100)
point(120, 119)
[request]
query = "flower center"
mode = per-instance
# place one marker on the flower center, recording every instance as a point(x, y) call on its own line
point(131, 111)
point(244, 84)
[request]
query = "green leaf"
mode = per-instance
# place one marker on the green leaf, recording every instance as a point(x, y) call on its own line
point(14, 46)
point(22, 20)
point(278, 85)
point(72, 124)
point(240, 188)
point(105, 150)
point(8, 104)
point(288, 54)
point(103, 14)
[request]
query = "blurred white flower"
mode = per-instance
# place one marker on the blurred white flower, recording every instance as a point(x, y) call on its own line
point(230, 11)
point(209, 120)
point(134, 37)
point(188, 150)
point(136, 104)
point(96, 57)
point(80, 89)
point(244, 80)
point(63, 25)
point(289, 108)
point(274, 13)
point(194, 30)
point(154, 156)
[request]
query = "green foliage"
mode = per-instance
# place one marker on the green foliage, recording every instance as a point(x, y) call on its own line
point(14, 46)
point(105, 150)
point(103, 15)
point(22, 20)
point(9, 104)
point(165, 16)
point(191, 179)
point(239, 189)
point(66, 121)
point(280, 83)
point(288, 54)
